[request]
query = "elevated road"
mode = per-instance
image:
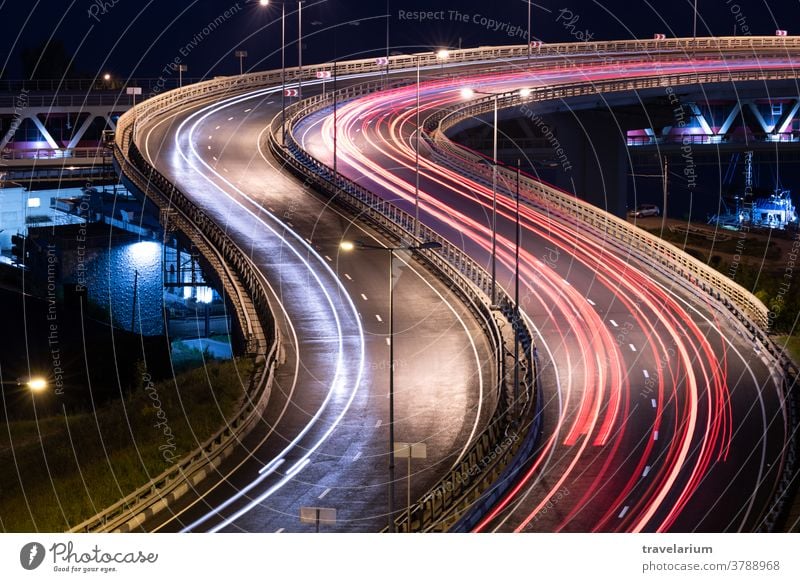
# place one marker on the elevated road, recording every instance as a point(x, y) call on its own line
point(323, 439)
point(662, 413)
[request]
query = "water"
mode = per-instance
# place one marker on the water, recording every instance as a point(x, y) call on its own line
point(109, 275)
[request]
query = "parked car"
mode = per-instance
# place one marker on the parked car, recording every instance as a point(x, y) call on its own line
point(645, 210)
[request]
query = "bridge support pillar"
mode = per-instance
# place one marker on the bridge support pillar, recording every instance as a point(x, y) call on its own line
point(595, 166)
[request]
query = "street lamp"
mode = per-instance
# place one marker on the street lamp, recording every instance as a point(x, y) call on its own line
point(469, 93)
point(348, 246)
point(35, 384)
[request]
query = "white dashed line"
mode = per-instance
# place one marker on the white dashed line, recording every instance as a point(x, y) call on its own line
point(348, 277)
point(646, 374)
point(592, 303)
point(357, 457)
point(364, 297)
point(377, 424)
point(646, 471)
point(209, 147)
point(567, 282)
point(624, 511)
point(231, 119)
point(612, 322)
point(324, 493)
point(633, 347)
point(280, 530)
point(249, 110)
point(655, 435)
point(379, 318)
point(654, 402)
point(327, 258)
point(217, 128)
point(388, 342)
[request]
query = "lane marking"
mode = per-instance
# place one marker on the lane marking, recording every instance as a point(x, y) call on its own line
point(388, 342)
point(348, 277)
point(633, 347)
point(324, 493)
point(357, 457)
point(646, 471)
point(612, 322)
point(592, 303)
point(281, 530)
point(653, 402)
point(380, 319)
point(655, 436)
point(377, 424)
point(624, 511)
point(364, 297)
point(327, 258)
point(646, 374)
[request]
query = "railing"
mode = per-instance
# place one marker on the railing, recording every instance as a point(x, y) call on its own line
point(452, 496)
point(55, 154)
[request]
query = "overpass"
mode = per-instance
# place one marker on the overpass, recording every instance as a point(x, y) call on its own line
point(665, 405)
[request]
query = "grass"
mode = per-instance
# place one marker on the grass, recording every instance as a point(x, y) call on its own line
point(792, 345)
point(60, 470)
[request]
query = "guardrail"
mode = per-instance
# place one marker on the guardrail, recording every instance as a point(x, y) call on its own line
point(457, 490)
point(55, 154)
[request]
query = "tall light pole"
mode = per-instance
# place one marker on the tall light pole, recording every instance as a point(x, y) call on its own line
point(181, 70)
point(529, 29)
point(419, 135)
point(388, 30)
point(300, 48)
point(518, 236)
point(468, 93)
point(349, 246)
point(694, 27)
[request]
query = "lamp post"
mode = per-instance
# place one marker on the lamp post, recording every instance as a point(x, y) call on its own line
point(694, 26)
point(300, 48)
point(529, 29)
point(416, 143)
point(181, 70)
point(350, 246)
point(469, 93)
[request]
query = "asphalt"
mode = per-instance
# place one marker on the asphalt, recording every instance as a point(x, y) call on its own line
point(580, 485)
point(330, 397)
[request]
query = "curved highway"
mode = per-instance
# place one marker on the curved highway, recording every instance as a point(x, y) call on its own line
point(660, 413)
point(322, 441)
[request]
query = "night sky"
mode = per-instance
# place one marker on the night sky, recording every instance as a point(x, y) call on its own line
point(139, 38)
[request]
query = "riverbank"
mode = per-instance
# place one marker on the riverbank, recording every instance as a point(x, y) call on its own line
point(65, 468)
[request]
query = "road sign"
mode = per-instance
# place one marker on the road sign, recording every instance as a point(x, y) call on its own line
point(324, 75)
point(134, 90)
point(536, 44)
point(318, 516)
point(241, 54)
point(382, 61)
point(781, 33)
point(292, 93)
point(413, 450)
point(659, 36)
